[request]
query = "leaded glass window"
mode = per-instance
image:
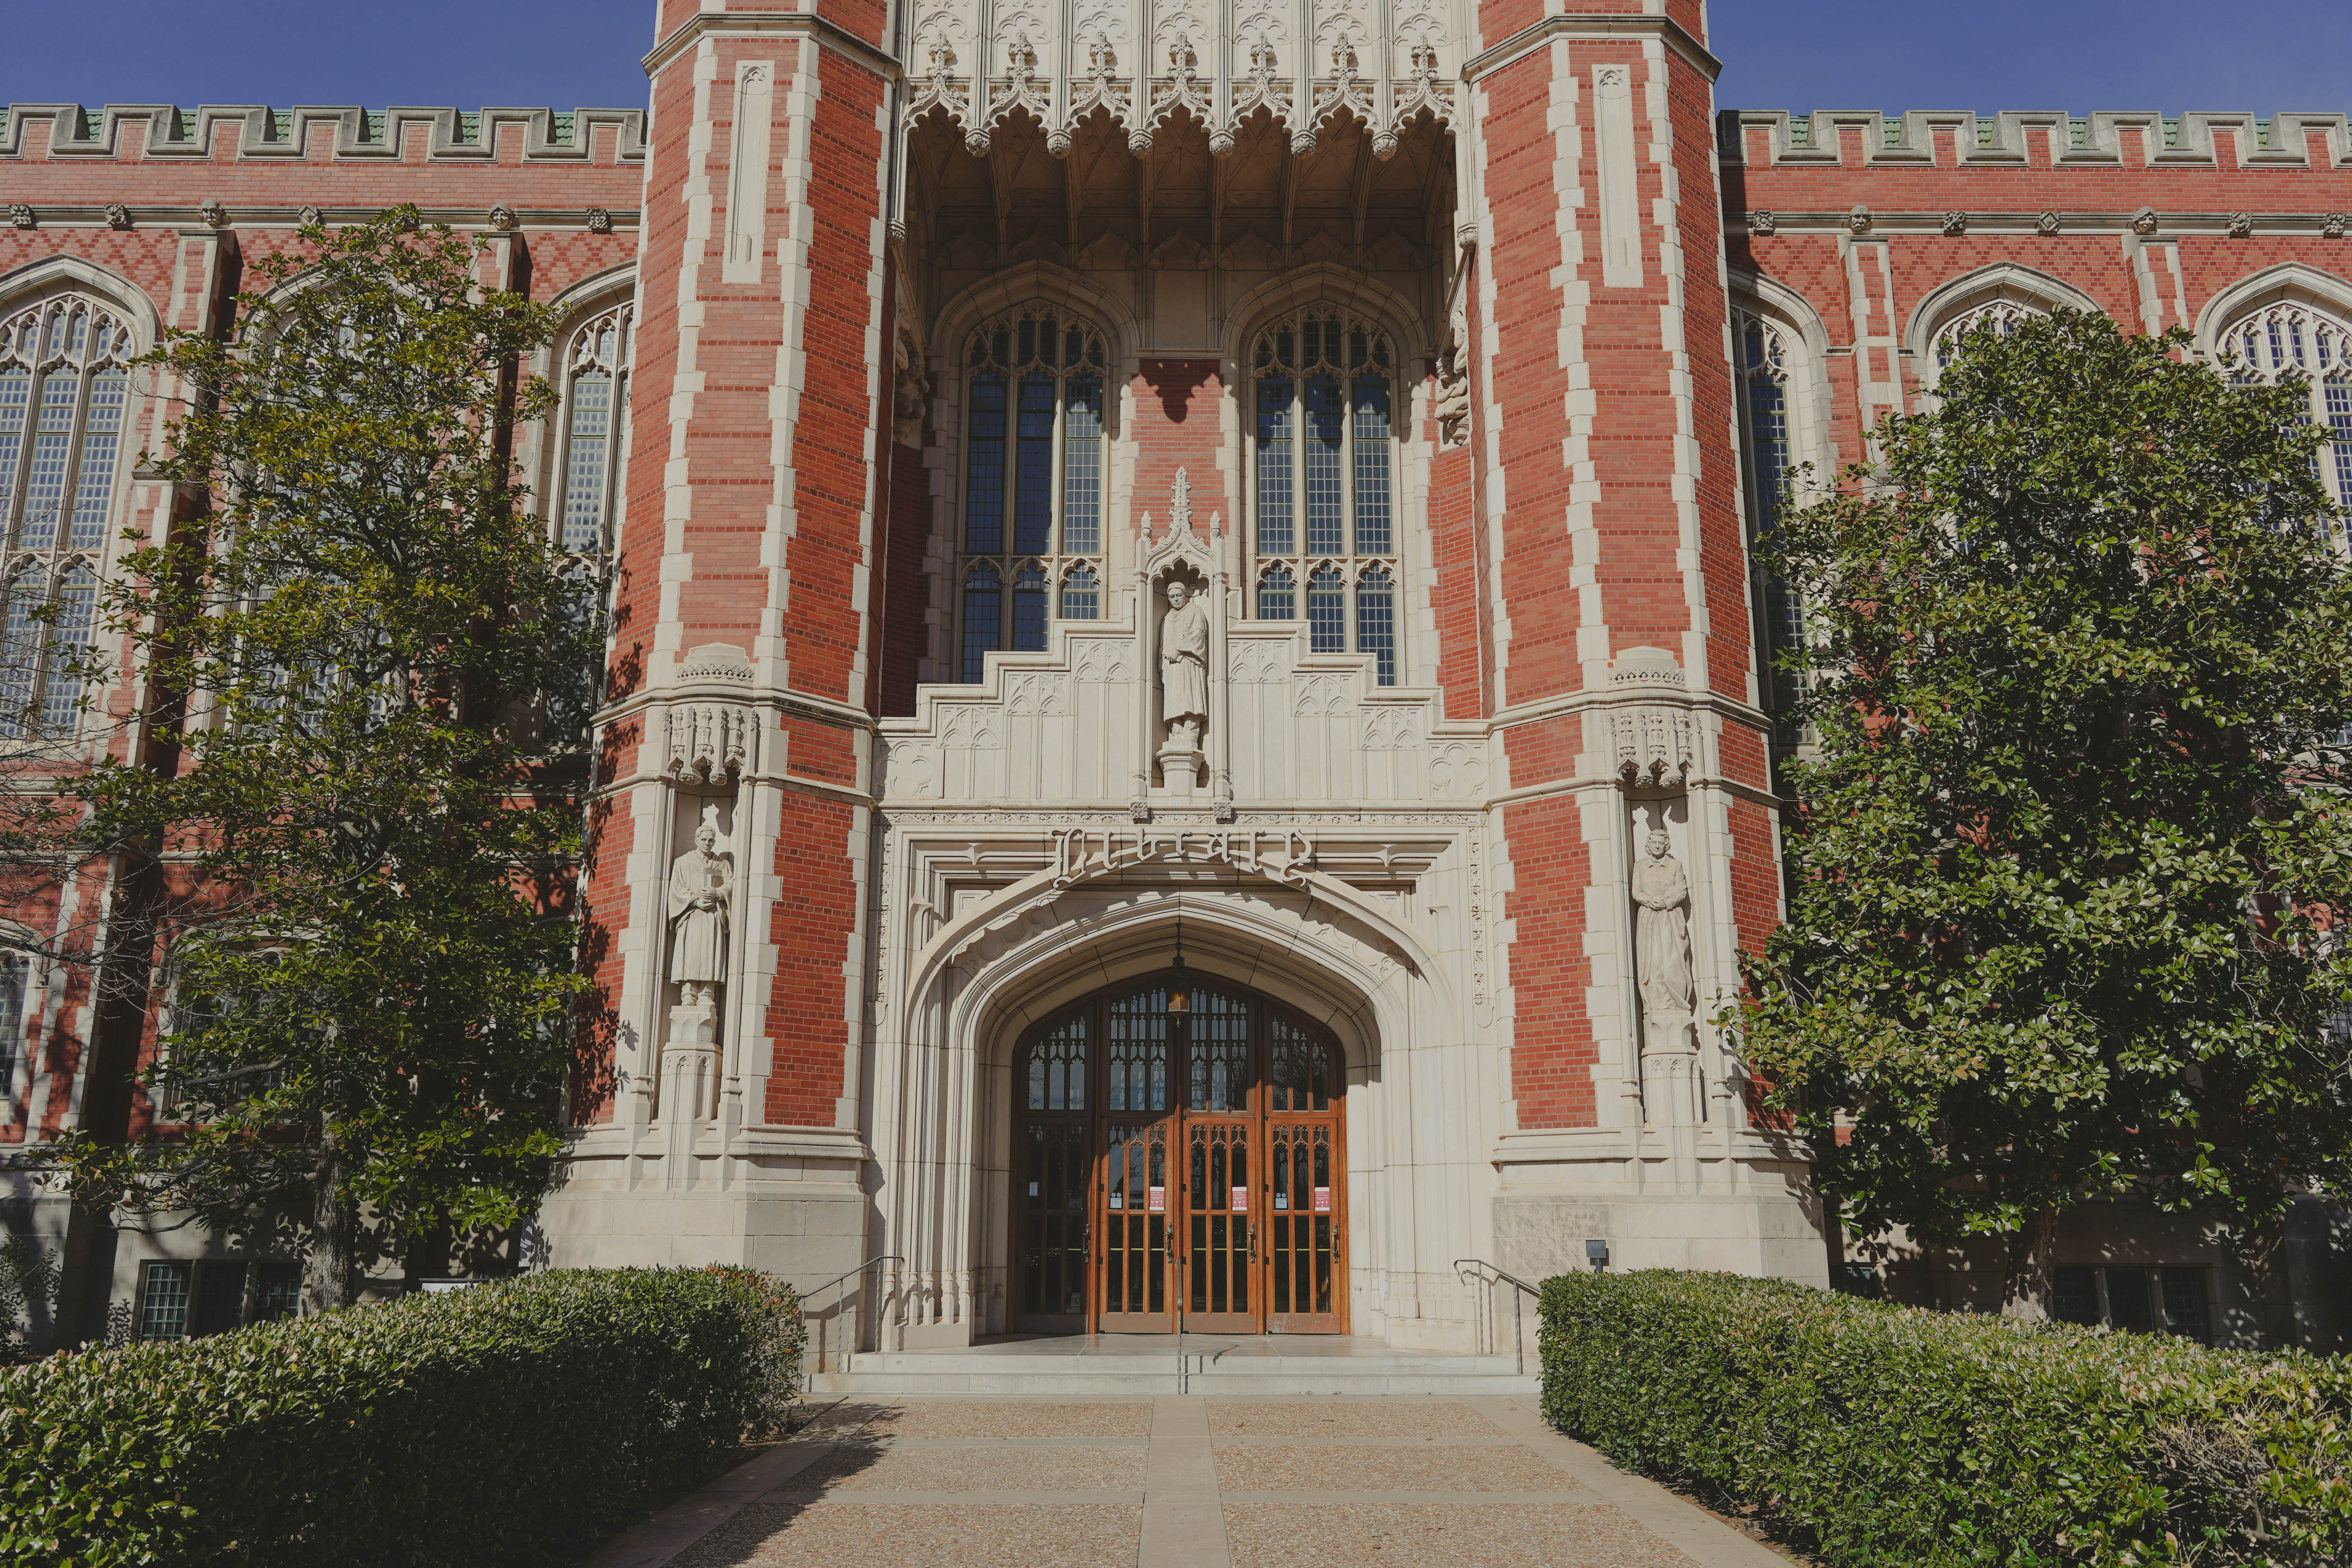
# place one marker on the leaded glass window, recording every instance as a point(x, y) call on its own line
point(1033, 482)
point(2292, 343)
point(1762, 355)
point(1323, 456)
point(65, 395)
point(593, 370)
point(596, 367)
point(1998, 317)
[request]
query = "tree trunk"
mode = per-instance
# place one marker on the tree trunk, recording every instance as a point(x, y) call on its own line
point(2033, 1258)
point(329, 1280)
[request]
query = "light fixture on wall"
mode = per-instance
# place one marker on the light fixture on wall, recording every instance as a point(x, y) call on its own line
point(1179, 996)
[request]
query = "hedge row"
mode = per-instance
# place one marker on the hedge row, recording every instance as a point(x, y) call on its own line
point(1887, 1434)
point(515, 1422)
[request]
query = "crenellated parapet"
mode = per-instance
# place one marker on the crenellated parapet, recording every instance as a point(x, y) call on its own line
point(244, 133)
point(2017, 138)
point(1385, 63)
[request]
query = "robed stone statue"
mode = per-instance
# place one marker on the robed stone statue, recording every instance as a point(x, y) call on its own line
point(1184, 668)
point(701, 887)
point(1662, 946)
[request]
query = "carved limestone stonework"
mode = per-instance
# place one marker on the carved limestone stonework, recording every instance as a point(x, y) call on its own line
point(1654, 746)
point(709, 739)
point(701, 899)
point(1184, 668)
point(1669, 993)
point(712, 738)
point(701, 889)
point(980, 65)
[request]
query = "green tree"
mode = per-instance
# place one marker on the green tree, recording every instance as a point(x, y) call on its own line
point(367, 962)
point(2069, 866)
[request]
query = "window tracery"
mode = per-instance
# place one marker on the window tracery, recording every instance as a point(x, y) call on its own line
point(65, 393)
point(593, 371)
point(594, 393)
point(1999, 317)
point(2290, 342)
point(1322, 436)
point(1766, 362)
point(1034, 468)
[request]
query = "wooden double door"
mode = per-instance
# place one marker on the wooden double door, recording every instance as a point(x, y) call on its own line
point(1178, 1160)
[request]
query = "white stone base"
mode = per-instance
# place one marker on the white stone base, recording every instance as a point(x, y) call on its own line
point(786, 1202)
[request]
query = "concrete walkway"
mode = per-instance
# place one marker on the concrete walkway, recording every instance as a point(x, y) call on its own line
point(1184, 1482)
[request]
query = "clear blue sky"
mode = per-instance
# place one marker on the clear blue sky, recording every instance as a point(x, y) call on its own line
point(2077, 55)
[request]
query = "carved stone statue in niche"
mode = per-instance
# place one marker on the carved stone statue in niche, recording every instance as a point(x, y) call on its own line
point(1662, 946)
point(1671, 1090)
point(702, 890)
point(1184, 668)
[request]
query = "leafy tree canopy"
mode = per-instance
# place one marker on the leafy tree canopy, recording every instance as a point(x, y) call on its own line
point(2071, 859)
point(351, 648)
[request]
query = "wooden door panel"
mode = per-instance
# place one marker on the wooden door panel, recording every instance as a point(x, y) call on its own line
point(1052, 1188)
point(1220, 1263)
point(1179, 1166)
point(1135, 1229)
point(1305, 1273)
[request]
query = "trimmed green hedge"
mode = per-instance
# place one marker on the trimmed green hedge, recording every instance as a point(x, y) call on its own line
point(1887, 1435)
point(513, 1422)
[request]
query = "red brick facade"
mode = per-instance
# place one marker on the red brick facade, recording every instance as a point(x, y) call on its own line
point(786, 529)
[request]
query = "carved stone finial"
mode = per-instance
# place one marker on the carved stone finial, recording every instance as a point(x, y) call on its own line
point(1180, 505)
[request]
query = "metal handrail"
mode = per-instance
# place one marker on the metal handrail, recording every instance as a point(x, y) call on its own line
point(1518, 1326)
point(839, 1296)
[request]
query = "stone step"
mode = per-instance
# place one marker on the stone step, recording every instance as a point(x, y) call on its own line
point(984, 1361)
point(1145, 1375)
point(1146, 1385)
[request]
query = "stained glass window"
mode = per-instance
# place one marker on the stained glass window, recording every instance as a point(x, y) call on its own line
point(1033, 481)
point(65, 397)
point(1324, 489)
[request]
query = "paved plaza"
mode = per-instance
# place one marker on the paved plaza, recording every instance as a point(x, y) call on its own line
point(1183, 1481)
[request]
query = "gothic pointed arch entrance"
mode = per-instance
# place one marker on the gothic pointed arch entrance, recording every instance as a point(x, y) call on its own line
point(1179, 1160)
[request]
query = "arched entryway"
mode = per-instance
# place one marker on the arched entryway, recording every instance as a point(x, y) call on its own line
point(1178, 1159)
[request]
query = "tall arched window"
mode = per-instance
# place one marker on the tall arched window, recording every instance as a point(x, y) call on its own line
point(1323, 460)
point(593, 367)
point(1766, 410)
point(1033, 494)
point(2290, 342)
point(594, 393)
point(65, 390)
